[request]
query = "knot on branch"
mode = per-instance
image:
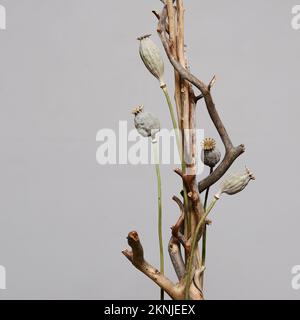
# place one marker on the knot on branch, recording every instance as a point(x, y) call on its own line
point(188, 180)
point(136, 256)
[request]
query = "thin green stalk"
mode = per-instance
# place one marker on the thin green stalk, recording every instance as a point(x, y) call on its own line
point(159, 200)
point(207, 190)
point(193, 247)
point(173, 118)
point(204, 238)
point(203, 258)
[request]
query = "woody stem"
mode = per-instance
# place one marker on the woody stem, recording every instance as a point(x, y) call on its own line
point(194, 244)
point(180, 149)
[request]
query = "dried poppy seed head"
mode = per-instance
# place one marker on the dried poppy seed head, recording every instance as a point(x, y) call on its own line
point(250, 174)
point(146, 124)
point(150, 54)
point(235, 183)
point(210, 154)
point(208, 144)
point(137, 110)
point(144, 37)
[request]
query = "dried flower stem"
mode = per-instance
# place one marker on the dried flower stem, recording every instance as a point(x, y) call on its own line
point(204, 237)
point(173, 118)
point(159, 201)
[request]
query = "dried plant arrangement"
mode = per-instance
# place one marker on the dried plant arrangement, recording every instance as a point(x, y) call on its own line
point(187, 245)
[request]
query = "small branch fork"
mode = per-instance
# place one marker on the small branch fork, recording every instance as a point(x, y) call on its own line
point(171, 31)
point(177, 229)
point(136, 257)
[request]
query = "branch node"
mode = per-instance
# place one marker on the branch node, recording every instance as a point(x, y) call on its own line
point(199, 97)
point(212, 83)
point(156, 14)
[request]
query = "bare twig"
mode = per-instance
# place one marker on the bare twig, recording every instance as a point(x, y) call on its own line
point(176, 257)
point(199, 97)
point(176, 230)
point(136, 257)
point(156, 14)
point(212, 83)
point(179, 203)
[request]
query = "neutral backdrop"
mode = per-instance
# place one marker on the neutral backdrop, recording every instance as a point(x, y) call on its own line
point(70, 68)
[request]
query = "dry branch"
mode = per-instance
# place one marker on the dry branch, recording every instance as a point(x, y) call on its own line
point(176, 257)
point(136, 257)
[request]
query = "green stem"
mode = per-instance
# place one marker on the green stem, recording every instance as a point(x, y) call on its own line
point(159, 200)
point(173, 118)
point(204, 247)
point(204, 239)
point(193, 247)
point(207, 190)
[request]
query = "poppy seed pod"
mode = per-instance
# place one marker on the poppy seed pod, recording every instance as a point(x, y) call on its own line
point(235, 183)
point(210, 155)
point(146, 124)
point(152, 58)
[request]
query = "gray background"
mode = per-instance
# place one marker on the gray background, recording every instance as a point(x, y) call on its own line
point(70, 68)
